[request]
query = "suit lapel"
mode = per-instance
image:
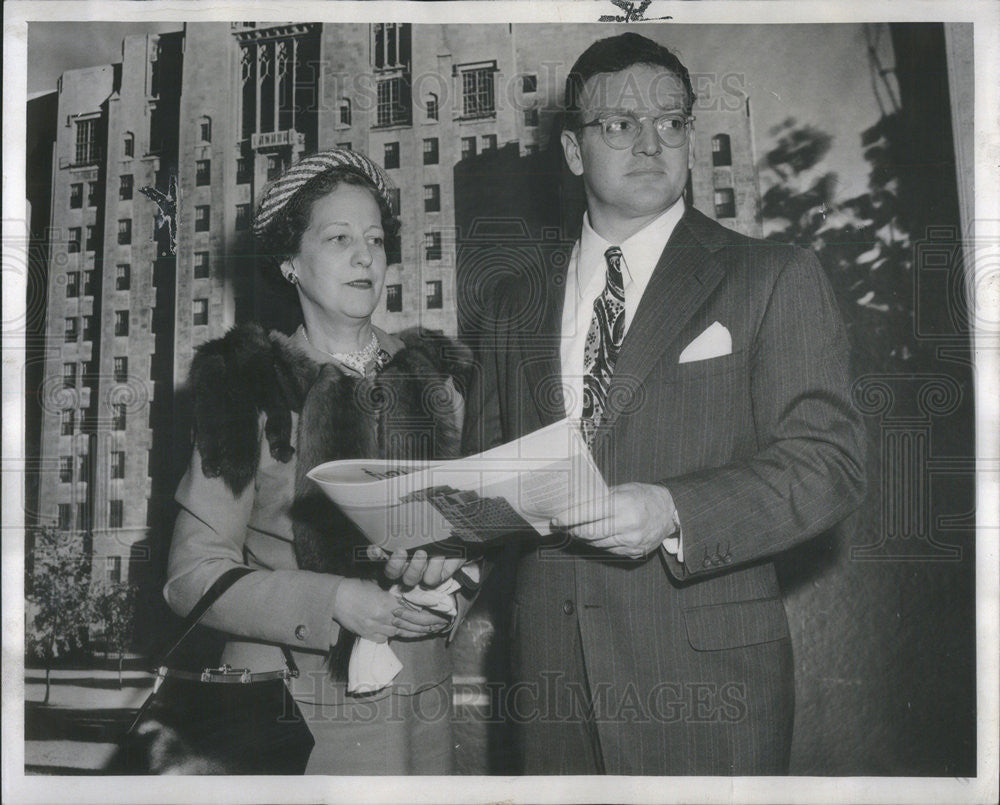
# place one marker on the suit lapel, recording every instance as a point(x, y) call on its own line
point(681, 282)
point(542, 366)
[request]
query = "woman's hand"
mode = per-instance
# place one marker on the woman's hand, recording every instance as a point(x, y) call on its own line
point(369, 611)
point(418, 569)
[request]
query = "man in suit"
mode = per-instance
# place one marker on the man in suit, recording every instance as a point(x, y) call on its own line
point(710, 371)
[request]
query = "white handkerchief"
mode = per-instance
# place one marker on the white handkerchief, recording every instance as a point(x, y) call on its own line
point(375, 665)
point(714, 342)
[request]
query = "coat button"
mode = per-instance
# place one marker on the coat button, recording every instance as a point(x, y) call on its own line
point(568, 607)
point(301, 632)
point(707, 562)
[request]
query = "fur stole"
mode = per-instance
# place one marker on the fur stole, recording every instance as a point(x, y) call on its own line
point(404, 412)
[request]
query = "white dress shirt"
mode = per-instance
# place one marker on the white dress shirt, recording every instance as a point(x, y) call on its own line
point(585, 280)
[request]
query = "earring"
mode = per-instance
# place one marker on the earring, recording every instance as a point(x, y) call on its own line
point(292, 277)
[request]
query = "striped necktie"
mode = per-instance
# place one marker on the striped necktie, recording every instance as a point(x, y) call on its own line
point(604, 340)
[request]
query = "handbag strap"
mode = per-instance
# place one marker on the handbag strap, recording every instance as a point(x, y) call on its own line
point(219, 586)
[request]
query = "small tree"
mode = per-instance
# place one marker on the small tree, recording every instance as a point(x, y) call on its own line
point(58, 615)
point(114, 610)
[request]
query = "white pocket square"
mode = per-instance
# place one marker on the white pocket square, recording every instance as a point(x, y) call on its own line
point(714, 342)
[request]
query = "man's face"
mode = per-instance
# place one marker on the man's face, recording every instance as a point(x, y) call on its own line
point(629, 187)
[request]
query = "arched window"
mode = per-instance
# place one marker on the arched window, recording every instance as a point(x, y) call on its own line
point(431, 105)
point(345, 111)
point(128, 144)
point(205, 129)
point(721, 152)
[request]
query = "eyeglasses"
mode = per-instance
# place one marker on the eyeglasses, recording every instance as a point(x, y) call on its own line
point(620, 131)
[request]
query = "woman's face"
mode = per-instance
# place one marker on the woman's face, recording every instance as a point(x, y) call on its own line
point(341, 261)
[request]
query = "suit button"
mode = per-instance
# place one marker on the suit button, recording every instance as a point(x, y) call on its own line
point(727, 559)
point(301, 632)
point(568, 607)
point(707, 562)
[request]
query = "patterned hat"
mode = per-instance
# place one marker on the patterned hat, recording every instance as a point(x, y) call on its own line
point(281, 190)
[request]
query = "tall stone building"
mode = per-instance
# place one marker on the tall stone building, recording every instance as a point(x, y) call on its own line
point(158, 161)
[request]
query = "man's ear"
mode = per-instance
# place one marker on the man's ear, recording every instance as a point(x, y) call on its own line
point(691, 150)
point(571, 150)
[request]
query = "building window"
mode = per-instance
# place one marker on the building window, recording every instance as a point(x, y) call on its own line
point(432, 198)
point(200, 265)
point(91, 242)
point(91, 194)
point(344, 146)
point(121, 369)
point(76, 195)
point(67, 424)
point(203, 172)
point(200, 308)
point(201, 214)
point(275, 166)
point(88, 328)
point(205, 129)
point(391, 45)
point(124, 231)
point(390, 155)
point(725, 203)
point(531, 116)
point(70, 330)
point(242, 170)
point(88, 282)
point(345, 111)
point(529, 83)
point(65, 517)
point(88, 149)
point(395, 201)
point(83, 474)
point(116, 514)
point(129, 144)
point(123, 276)
point(477, 92)
point(431, 104)
point(393, 102)
point(118, 416)
point(242, 217)
point(434, 300)
point(489, 142)
point(114, 569)
point(394, 298)
point(468, 147)
point(431, 151)
point(72, 283)
point(66, 469)
point(69, 375)
point(121, 322)
point(432, 245)
point(117, 464)
point(75, 236)
point(722, 154)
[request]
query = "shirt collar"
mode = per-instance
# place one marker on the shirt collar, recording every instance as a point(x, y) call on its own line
point(641, 251)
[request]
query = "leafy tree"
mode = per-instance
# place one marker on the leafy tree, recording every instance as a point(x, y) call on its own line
point(59, 602)
point(864, 243)
point(114, 608)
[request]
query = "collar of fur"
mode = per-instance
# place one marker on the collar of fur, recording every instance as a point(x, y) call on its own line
point(407, 411)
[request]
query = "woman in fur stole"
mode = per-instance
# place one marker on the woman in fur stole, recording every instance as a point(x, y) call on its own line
point(268, 408)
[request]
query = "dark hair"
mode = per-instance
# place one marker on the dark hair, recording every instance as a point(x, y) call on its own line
point(283, 237)
point(612, 55)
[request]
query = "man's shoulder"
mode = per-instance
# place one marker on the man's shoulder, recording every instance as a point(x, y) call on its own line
point(755, 257)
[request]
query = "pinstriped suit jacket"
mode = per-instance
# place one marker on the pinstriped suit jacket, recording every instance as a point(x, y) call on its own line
point(761, 449)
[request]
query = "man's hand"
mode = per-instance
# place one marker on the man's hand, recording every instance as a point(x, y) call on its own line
point(632, 521)
point(418, 569)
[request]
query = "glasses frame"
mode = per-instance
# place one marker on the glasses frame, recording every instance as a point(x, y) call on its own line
point(640, 119)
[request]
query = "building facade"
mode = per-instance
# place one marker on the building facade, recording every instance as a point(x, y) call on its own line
point(157, 164)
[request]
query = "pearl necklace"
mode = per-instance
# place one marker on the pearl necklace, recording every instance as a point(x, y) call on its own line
point(358, 360)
